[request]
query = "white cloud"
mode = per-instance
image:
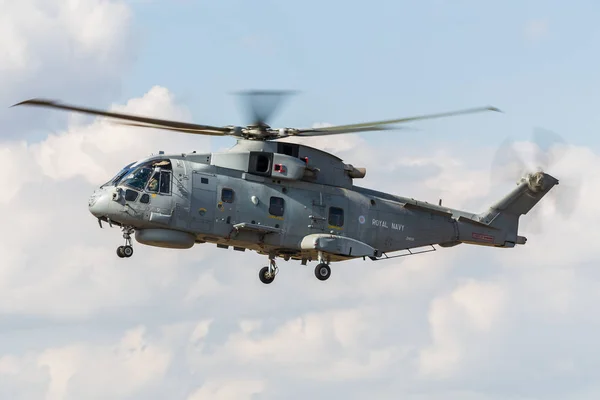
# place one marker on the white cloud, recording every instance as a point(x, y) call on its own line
point(78, 322)
point(61, 172)
point(229, 390)
point(71, 50)
point(473, 308)
point(91, 370)
point(430, 322)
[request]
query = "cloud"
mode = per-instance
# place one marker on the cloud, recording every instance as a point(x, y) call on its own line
point(198, 323)
point(90, 370)
point(69, 50)
point(465, 322)
point(229, 390)
point(61, 172)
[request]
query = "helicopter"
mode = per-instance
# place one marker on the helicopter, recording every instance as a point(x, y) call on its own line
point(287, 200)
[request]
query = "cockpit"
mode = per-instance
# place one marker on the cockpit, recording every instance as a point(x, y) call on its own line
point(153, 176)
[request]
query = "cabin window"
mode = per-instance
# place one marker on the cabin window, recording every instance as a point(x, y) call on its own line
point(160, 183)
point(336, 216)
point(130, 195)
point(227, 195)
point(165, 182)
point(145, 198)
point(153, 183)
point(204, 180)
point(276, 206)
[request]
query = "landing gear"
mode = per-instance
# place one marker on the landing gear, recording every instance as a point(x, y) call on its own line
point(267, 274)
point(322, 270)
point(127, 250)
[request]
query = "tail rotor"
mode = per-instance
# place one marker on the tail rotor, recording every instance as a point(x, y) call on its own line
point(548, 149)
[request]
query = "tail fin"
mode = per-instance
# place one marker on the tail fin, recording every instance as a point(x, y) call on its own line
point(499, 225)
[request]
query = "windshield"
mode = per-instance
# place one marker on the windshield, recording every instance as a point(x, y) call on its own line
point(138, 178)
point(119, 176)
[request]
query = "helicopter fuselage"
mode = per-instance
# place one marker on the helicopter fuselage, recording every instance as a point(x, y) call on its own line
point(281, 199)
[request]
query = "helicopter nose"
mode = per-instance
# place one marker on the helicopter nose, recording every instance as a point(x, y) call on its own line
point(98, 203)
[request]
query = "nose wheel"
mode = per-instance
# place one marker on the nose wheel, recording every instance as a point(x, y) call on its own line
point(127, 250)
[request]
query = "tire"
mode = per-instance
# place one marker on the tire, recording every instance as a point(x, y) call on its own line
point(127, 251)
point(322, 272)
point(262, 275)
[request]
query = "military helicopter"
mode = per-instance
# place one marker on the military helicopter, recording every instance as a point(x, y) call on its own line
point(287, 200)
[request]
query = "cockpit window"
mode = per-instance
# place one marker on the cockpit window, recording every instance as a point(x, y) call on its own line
point(140, 175)
point(138, 178)
point(119, 176)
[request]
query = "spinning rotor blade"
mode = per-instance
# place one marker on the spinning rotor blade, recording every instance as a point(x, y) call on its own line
point(262, 104)
point(184, 130)
point(508, 164)
point(377, 125)
point(551, 147)
point(142, 121)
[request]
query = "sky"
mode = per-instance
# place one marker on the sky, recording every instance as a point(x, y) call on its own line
point(467, 322)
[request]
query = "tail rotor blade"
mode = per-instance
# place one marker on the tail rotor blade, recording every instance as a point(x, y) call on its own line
point(567, 197)
point(551, 148)
point(507, 164)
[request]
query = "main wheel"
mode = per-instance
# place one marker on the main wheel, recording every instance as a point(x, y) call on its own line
point(127, 251)
point(322, 272)
point(262, 275)
point(120, 252)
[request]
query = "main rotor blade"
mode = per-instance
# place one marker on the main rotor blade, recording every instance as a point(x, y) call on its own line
point(156, 123)
point(184, 130)
point(320, 132)
point(372, 126)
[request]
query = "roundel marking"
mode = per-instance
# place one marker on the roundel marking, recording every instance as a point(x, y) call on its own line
point(361, 219)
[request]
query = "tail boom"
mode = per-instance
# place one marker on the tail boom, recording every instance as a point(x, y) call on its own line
point(499, 225)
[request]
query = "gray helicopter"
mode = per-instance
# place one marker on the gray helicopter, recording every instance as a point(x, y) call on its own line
point(287, 200)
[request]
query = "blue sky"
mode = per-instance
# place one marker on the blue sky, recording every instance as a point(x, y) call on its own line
point(533, 59)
